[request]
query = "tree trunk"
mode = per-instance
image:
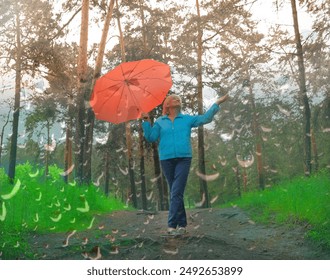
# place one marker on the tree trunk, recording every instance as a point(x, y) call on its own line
point(68, 153)
point(238, 181)
point(142, 169)
point(314, 148)
point(81, 85)
point(303, 93)
point(90, 119)
point(17, 104)
point(128, 127)
point(245, 179)
point(201, 150)
point(257, 137)
point(47, 152)
point(141, 138)
point(2, 134)
point(160, 182)
point(106, 172)
point(68, 141)
point(130, 163)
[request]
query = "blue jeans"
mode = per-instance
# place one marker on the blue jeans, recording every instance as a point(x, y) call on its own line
point(176, 172)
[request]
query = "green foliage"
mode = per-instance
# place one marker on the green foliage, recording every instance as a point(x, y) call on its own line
point(39, 204)
point(299, 201)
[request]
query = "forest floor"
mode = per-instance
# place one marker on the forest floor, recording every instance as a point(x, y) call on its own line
point(224, 234)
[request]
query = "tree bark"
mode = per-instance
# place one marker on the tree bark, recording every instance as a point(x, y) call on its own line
point(68, 153)
point(315, 153)
point(141, 138)
point(106, 172)
point(303, 93)
point(2, 134)
point(201, 150)
point(128, 127)
point(68, 141)
point(90, 119)
point(142, 169)
point(257, 137)
point(47, 152)
point(17, 103)
point(81, 85)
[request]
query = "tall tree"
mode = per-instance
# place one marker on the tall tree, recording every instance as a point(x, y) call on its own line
point(90, 115)
point(2, 135)
point(317, 50)
point(18, 78)
point(82, 79)
point(27, 26)
point(127, 125)
point(44, 113)
point(201, 151)
point(62, 79)
point(303, 91)
point(141, 138)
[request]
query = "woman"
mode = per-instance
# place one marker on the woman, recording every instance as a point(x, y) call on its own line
point(173, 132)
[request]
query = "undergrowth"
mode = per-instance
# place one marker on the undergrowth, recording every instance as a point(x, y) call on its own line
point(35, 204)
point(304, 200)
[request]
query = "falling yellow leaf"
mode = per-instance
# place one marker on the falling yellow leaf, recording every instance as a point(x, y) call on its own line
point(91, 224)
point(66, 243)
point(205, 177)
point(39, 198)
point(85, 209)
point(4, 212)
point(68, 171)
point(67, 208)
point(73, 183)
point(114, 251)
point(36, 219)
point(56, 219)
point(171, 252)
point(214, 199)
point(32, 175)
point(13, 191)
point(96, 256)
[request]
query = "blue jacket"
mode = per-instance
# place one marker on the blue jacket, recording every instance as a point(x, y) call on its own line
point(174, 137)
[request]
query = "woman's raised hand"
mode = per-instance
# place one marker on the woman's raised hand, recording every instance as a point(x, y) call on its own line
point(222, 99)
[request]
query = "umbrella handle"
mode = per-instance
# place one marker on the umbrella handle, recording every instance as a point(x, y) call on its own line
point(145, 116)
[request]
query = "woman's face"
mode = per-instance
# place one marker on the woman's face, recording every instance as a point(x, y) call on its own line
point(174, 102)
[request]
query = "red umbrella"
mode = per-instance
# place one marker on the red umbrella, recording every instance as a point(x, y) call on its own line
point(130, 89)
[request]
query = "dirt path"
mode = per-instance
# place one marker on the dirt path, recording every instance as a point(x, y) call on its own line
point(227, 234)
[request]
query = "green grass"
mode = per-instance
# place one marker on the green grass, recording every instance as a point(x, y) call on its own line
point(41, 205)
point(301, 200)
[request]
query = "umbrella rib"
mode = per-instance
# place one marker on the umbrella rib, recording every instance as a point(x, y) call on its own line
point(108, 97)
point(114, 86)
point(121, 67)
point(137, 104)
point(121, 95)
point(156, 97)
point(153, 66)
point(138, 62)
point(153, 79)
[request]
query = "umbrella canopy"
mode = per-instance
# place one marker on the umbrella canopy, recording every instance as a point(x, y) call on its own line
point(130, 89)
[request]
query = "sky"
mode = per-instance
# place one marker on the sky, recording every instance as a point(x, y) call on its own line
point(263, 11)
